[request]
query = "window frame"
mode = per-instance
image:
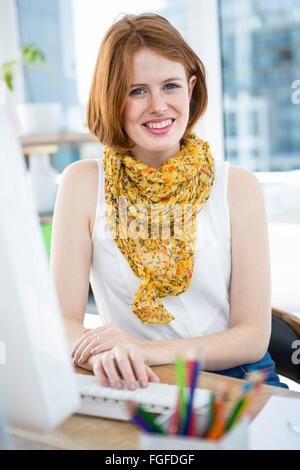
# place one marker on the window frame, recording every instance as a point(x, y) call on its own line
point(205, 29)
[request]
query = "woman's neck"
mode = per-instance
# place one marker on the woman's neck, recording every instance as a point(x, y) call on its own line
point(154, 159)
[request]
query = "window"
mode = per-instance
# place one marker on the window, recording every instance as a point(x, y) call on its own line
point(259, 47)
point(260, 60)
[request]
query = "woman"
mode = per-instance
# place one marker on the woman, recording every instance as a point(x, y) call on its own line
point(205, 282)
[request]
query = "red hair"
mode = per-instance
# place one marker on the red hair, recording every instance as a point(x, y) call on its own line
point(111, 81)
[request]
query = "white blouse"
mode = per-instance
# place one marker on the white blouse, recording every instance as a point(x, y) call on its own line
point(204, 308)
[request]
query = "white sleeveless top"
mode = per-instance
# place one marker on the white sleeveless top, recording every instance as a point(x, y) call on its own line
point(204, 308)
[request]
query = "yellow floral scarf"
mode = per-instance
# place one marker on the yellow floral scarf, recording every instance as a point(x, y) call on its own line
point(151, 214)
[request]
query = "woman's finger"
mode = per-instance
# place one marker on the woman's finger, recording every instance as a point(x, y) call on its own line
point(109, 366)
point(86, 352)
point(82, 338)
point(82, 347)
point(139, 367)
point(103, 347)
point(152, 377)
point(125, 367)
point(100, 373)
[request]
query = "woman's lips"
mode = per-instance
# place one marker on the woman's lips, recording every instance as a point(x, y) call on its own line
point(162, 131)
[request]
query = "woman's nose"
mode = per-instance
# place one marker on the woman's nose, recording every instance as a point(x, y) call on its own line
point(157, 104)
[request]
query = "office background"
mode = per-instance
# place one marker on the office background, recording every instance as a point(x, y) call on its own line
point(251, 52)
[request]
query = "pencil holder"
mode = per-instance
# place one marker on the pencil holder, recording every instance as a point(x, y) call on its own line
point(235, 439)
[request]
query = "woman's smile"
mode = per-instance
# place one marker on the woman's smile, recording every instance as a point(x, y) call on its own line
point(160, 128)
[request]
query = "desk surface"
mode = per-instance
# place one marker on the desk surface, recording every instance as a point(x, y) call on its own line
point(87, 432)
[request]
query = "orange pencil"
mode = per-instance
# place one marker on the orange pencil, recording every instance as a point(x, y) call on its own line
point(218, 425)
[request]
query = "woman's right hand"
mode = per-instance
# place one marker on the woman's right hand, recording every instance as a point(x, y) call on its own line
point(123, 363)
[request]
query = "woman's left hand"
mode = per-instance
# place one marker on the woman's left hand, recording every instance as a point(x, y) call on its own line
point(103, 339)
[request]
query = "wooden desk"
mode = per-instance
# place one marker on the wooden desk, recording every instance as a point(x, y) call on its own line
point(87, 432)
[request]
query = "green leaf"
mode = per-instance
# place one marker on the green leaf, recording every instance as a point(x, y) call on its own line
point(30, 55)
point(7, 71)
point(8, 77)
point(33, 55)
point(8, 65)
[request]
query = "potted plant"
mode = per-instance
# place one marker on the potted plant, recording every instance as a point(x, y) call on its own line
point(35, 117)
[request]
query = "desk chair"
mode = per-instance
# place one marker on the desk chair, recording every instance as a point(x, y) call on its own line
point(285, 330)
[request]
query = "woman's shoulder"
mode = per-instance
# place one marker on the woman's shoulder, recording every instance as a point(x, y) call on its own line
point(81, 178)
point(81, 169)
point(244, 191)
point(241, 181)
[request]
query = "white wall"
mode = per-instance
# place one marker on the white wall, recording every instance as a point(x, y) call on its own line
point(9, 42)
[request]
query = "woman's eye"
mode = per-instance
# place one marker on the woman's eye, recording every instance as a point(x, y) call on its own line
point(134, 92)
point(137, 91)
point(172, 85)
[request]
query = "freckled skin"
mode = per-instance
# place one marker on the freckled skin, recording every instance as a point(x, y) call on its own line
point(157, 100)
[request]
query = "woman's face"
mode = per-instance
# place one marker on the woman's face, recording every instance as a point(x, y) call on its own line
point(159, 92)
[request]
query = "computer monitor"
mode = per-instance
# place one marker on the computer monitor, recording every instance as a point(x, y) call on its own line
point(37, 386)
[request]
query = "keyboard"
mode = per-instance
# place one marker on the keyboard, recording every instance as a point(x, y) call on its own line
point(108, 402)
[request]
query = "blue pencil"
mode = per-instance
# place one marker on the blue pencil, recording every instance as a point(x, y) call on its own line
point(195, 372)
point(141, 423)
point(136, 418)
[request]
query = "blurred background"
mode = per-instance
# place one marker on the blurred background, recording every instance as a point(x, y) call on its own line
point(251, 52)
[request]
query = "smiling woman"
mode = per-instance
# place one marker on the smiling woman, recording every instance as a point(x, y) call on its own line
point(144, 62)
point(201, 279)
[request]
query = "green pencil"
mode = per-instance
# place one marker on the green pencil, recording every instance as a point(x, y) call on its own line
point(180, 369)
point(240, 403)
point(148, 417)
point(211, 413)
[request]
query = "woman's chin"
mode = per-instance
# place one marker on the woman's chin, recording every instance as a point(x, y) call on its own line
point(161, 145)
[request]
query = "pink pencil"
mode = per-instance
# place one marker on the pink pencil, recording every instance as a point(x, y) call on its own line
point(192, 431)
point(175, 418)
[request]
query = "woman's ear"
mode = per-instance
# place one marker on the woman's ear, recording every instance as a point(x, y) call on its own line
point(191, 85)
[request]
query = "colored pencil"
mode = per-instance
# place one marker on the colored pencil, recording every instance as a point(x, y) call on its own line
point(137, 419)
point(180, 368)
point(218, 426)
point(189, 371)
point(210, 413)
point(195, 371)
point(175, 418)
point(236, 409)
point(192, 431)
point(248, 400)
point(149, 418)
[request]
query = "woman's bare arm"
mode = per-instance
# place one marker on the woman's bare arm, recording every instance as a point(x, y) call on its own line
point(71, 244)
